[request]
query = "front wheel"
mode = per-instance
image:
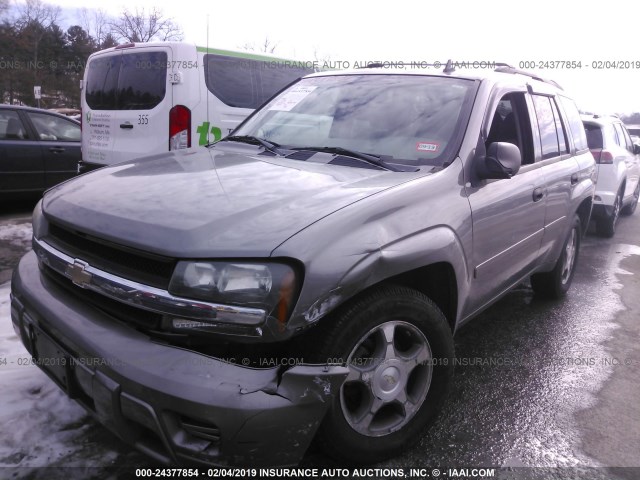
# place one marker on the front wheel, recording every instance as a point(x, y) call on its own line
point(556, 283)
point(398, 348)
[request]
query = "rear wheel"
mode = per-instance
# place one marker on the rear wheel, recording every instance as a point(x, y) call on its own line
point(630, 208)
point(398, 348)
point(606, 225)
point(556, 283)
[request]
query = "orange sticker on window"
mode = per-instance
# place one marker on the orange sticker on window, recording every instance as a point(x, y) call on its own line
point(429, 147)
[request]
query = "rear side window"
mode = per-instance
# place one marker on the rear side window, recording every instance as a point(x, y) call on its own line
point(128, 81)
point(11, 127)
point(623, 136)
point(575, 123)
point(247, 83)
point(50, 127)
point(594, 136)
point(552, 136)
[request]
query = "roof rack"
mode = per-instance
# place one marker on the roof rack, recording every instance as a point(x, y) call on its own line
point(506, 68)
point(602, 115)
point(448, 67)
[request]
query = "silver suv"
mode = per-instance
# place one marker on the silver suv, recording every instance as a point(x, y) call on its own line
point(618, 186)
point(304, 277)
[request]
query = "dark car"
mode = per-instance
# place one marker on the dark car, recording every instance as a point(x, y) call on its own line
point(38, 149)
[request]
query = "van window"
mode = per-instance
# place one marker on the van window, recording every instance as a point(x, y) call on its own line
point(247, 83)
point(127, 81)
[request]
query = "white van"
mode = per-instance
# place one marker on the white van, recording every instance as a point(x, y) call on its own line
point(140, 99)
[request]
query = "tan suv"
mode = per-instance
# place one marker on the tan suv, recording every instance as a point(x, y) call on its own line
point(305, 276)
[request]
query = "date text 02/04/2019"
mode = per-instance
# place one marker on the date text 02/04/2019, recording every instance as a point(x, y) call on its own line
point(579, 65)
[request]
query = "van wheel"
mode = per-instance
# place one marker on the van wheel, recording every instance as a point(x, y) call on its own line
point(606, 225)
point(556, 283)
point(629, 209)
point(399, 350)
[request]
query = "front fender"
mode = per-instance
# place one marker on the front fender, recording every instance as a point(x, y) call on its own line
point(417, 224)
point(435, 245)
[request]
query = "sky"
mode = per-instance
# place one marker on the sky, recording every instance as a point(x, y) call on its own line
point(601, 39)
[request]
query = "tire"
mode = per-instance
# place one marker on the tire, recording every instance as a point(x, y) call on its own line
point(631, 207)
point(606, 225)
point(556, 283)
point(399, 349)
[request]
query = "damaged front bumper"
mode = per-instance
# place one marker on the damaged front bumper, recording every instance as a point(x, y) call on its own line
point(176, 405)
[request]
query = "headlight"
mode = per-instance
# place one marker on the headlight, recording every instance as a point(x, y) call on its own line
point(268, 286)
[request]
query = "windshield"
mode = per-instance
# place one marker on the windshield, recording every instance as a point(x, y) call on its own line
point(415, 118)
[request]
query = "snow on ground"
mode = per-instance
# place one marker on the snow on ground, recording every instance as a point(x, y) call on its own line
point(40, 425)
point(17, 235)
point(15, 240)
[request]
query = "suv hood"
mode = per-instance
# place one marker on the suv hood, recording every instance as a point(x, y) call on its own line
point(209, 203)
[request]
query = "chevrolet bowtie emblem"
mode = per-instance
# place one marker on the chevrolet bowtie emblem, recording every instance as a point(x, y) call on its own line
point(78, 274)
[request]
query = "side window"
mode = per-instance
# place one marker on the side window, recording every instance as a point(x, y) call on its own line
point(510, 123)
point(273, 77)
point(562, 135)
point(11, 127)
point(610, 136)
point(247, 83)
point(230, 80)
point(52, 128)
point(625, 141)
point(618, 137)
point(627, 138)
point(552, 139)
point(594, 136)
point(574, 123)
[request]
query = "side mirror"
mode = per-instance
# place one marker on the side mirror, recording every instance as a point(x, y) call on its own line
point(636, 149)
point(503, 160)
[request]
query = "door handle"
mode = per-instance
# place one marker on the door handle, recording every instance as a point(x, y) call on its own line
point(56, 150)
point(126, 125)
point(574, 179)
point(538, 194)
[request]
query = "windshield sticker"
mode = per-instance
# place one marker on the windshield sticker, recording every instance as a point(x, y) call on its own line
point(293, 97)
point(429, 147)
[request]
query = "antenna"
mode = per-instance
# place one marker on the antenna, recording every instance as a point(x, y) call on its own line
point(449, 68)
point(207, 89)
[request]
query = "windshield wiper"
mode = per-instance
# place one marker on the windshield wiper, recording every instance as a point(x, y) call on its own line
point(367, 157)
point(250, 139)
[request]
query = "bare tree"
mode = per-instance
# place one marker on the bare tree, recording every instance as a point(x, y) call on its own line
point(98, 24)
point(267, 46)
point(321, 59)
point(140, 26)
point(35, 19)
point(36, 12)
